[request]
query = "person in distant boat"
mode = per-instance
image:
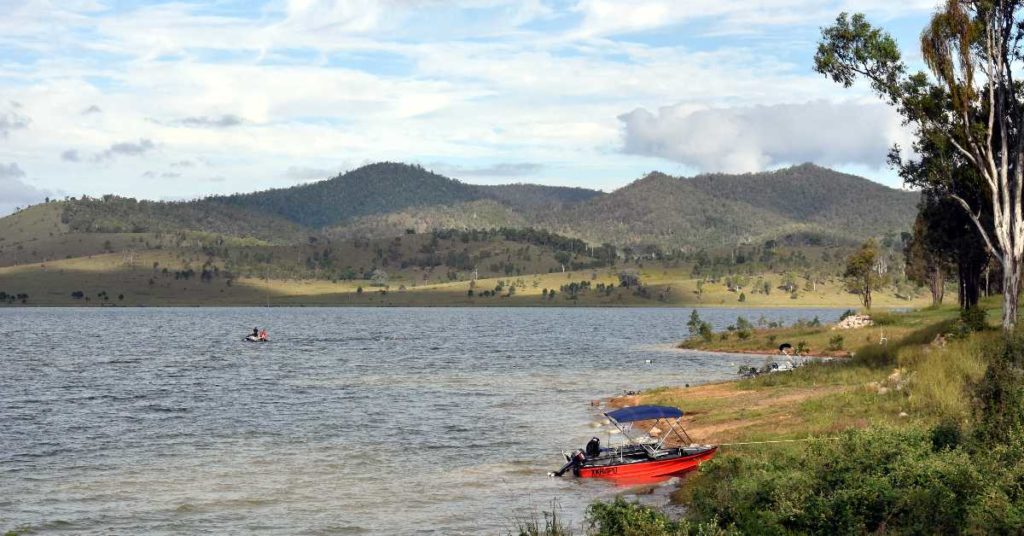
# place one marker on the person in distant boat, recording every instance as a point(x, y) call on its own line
point(263, 335)
point(256, 333)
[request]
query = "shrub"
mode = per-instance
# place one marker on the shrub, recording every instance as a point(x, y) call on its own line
point(705, 331)
point(835, 343)
point(623, 518)
point(883, 319)
point(1000, 395)
point(694, 323)
point(846, 314)
point(801, 347)
point(973, 318)
point(881, 480)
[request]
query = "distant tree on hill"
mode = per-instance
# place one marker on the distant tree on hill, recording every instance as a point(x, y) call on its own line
point(379, 278)
point(629, 279)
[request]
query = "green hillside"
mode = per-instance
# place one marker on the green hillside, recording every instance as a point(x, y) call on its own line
point(802, 205)
point(668, 212)
point(818, 196)
point(112, 214)
point(536, 196)
point(373, 189)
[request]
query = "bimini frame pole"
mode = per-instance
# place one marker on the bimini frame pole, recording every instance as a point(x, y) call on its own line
point(676, 428)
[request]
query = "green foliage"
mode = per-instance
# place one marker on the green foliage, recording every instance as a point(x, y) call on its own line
point(835, 343)
point(801, 347)
point(1000, 394)
point(861, 276)
point(867, 481)
point(910, 480)
point(973, 318)
point(694, 323)
point(705, 332)
point(623, 518)
point(884, 319)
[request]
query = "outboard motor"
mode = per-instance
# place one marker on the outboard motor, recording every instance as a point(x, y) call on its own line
point(573, 461)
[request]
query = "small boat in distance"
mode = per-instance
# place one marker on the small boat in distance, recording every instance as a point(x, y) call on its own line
point(257, 336)
point(641, 457)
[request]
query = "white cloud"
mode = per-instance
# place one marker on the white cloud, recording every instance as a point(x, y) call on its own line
point(14, 192)
point(308, 173)
point(744, 139)
point(204, 121)
point(612, 17)
point(125, 148)
point(478, 87)
point(12, 119)
point(501, 170)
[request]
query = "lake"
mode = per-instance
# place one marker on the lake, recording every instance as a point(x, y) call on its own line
point(351, 421)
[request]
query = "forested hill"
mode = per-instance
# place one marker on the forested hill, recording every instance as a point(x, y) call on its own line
point(373, 189)
point(388, 187)
point(818, 196)
point(805, 203)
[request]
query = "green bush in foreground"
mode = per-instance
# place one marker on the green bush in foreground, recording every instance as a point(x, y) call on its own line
point(624, 518)
point(867, 481)
point(897, 481)
point(621, 518)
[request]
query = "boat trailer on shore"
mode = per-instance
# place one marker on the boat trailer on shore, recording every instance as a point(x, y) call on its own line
point(639, 457)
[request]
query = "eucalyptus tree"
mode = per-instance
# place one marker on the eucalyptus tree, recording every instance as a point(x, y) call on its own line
point(862, 275)
point(970, 104)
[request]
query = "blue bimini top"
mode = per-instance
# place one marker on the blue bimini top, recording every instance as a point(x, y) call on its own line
point(644, 413)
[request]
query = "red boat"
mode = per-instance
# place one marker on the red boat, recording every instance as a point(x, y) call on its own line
point(640, 458)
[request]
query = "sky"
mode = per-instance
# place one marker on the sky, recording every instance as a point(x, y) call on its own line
point(185, 99)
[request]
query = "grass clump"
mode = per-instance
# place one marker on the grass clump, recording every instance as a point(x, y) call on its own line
point(552, 525)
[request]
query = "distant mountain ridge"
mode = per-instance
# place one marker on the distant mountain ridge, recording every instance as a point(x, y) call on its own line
point(388, 199)
point(713, 210)
point(387, 187)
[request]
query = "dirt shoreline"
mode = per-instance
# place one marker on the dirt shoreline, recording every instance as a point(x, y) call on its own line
point(839, 354)
point(720, 412)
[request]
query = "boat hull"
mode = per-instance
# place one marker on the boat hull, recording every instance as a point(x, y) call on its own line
point(648, 469)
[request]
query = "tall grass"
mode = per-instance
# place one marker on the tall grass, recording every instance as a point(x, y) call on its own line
point(939, 379)
point(552, 525)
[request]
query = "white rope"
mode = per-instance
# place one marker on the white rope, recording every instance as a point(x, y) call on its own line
point(776, 441)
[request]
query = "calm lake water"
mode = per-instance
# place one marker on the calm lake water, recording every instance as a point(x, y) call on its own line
point(352, 421)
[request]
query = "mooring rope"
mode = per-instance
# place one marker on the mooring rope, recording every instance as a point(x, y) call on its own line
point(776, 441)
